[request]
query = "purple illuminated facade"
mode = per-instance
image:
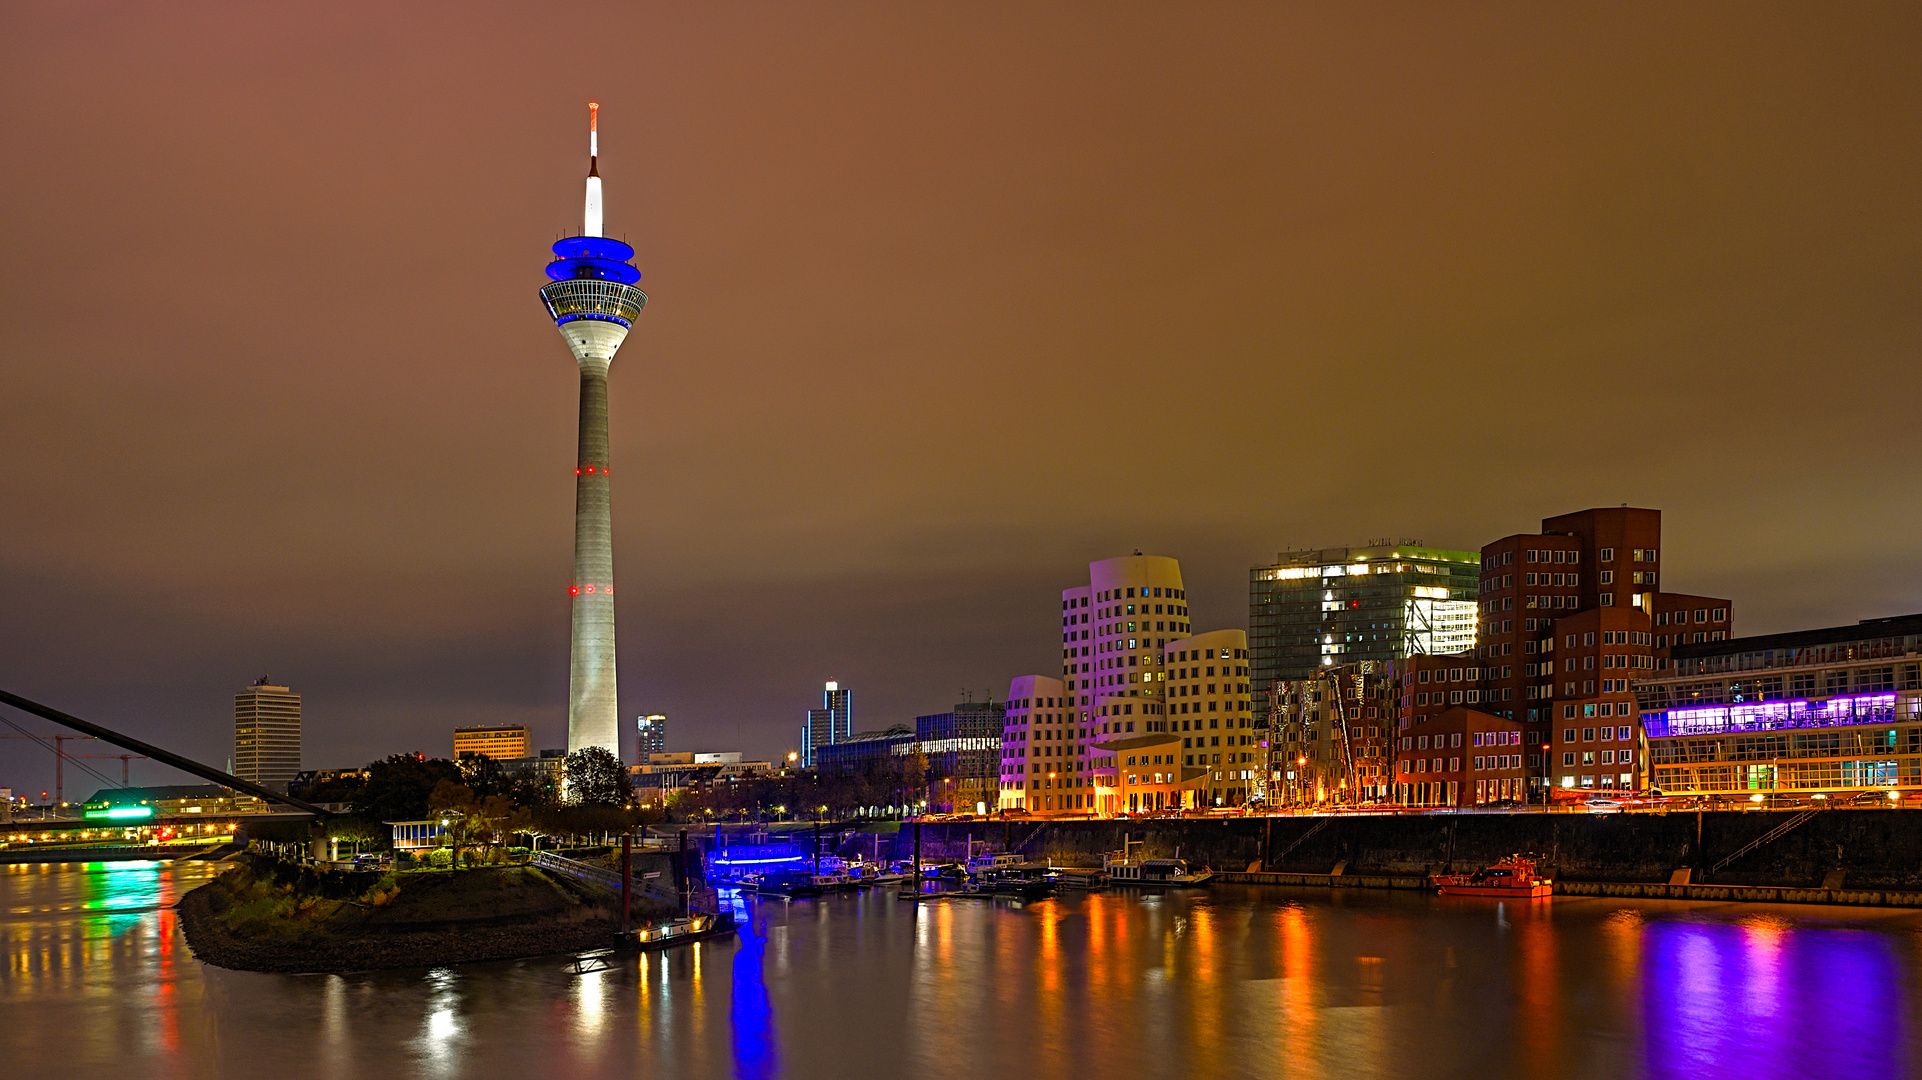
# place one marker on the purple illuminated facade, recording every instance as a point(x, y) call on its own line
point(1817, 715)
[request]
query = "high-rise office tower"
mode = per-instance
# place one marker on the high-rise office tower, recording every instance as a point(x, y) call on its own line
point(266, 734)
point(832, 723)
point(1316, 609)
point(592, 297)
point(653, 735)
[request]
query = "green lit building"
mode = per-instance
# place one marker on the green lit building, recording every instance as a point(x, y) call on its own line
point(1316, 609)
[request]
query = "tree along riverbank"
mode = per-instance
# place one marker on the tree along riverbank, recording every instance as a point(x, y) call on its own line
point(267, 915)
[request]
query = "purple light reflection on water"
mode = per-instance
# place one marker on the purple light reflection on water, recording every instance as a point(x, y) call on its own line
point(1755, 1000)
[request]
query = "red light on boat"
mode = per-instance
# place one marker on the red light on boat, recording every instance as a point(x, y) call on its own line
point(573, 590)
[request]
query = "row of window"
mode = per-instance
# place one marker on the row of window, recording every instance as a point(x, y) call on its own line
point(1609, 757)
point(1605, 708)
point(1118, 594)
point(1473, 674)
point(1702, 615)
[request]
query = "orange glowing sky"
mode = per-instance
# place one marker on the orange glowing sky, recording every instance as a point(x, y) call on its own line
point(946, 301)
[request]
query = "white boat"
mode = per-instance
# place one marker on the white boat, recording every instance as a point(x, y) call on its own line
point(1122, 868)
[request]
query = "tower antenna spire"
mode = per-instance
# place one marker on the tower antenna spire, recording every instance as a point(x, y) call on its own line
point(591, 218)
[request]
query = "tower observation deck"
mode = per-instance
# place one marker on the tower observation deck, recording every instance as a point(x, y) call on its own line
point(592, 298)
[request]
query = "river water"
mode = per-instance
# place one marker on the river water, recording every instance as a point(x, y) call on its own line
point(1235, 981)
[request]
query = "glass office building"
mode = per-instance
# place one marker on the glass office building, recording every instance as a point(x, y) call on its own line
point(1316, 609)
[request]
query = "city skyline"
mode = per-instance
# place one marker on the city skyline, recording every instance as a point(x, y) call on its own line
point(850, 458)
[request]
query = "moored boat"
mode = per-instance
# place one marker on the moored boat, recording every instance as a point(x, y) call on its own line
point(1022, 880)
point(1514, 878)
point(1126, 871)
point(684, 929)
point(782, 884)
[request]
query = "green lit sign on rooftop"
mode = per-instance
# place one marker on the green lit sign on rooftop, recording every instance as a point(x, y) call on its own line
point(121, 813)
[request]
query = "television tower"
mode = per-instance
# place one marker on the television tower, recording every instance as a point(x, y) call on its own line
point(591, 295)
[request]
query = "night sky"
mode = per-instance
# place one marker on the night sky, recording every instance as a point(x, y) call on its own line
point(946, 300)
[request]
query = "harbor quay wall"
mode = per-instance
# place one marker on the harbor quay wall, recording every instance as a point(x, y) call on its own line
point(1868, 849)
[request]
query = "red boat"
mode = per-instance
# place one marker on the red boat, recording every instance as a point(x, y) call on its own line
point(1513, 877)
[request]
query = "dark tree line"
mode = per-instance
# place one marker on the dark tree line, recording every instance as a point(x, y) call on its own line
point(595, 799)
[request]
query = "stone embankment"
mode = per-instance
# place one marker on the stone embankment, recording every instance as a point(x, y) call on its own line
point(1859, 851)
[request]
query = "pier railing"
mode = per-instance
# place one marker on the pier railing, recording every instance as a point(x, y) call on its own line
point(642, 884)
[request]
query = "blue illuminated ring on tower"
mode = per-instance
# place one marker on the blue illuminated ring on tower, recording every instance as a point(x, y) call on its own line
point(593, 298)
point(592, 257)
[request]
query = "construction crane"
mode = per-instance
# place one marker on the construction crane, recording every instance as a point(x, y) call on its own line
point(61, 757)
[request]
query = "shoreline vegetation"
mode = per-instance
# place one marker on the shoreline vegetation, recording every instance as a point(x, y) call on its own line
point(273, 916)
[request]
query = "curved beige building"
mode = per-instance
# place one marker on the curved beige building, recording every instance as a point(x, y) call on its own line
point(1112, 633)
point(1210, 706)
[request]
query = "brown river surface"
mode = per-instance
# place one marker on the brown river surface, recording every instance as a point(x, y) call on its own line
point(1230, 982)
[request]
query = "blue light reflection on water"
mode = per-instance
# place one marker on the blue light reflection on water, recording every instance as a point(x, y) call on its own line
point(757, 1054)
point(1762, 998)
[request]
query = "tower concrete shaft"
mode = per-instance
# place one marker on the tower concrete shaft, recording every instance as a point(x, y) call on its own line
point(592, 298)
point(593, 710)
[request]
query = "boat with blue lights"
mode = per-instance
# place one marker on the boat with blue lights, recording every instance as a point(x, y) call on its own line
point(782, 884)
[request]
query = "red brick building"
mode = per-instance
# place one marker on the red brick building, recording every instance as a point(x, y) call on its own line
point(1599, 572)
point(1461, 757)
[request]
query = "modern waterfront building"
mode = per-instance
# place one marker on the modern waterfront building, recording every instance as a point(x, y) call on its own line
point(868, 753)
point(1556, 678)
point(1208, 701)
point(652, 732)
point(1145, 774)
point(1567, 617)
point(1119, 634)
point(267, 734)
point(502, 742)
point(962, 750)
point(1828, 714)
point(1332, 736)
point(592, 296)
point(1112, 632)
point(832, 723)
point(1461, 757)
point(1045, 765)
point(1316, 609)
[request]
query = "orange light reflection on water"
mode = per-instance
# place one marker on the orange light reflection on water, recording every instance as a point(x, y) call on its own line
point(1538, 975)
point(1300, 1019)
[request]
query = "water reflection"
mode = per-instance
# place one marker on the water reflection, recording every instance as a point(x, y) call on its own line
point(750, 1013)
point(1233, 982)
point(1763, 997)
